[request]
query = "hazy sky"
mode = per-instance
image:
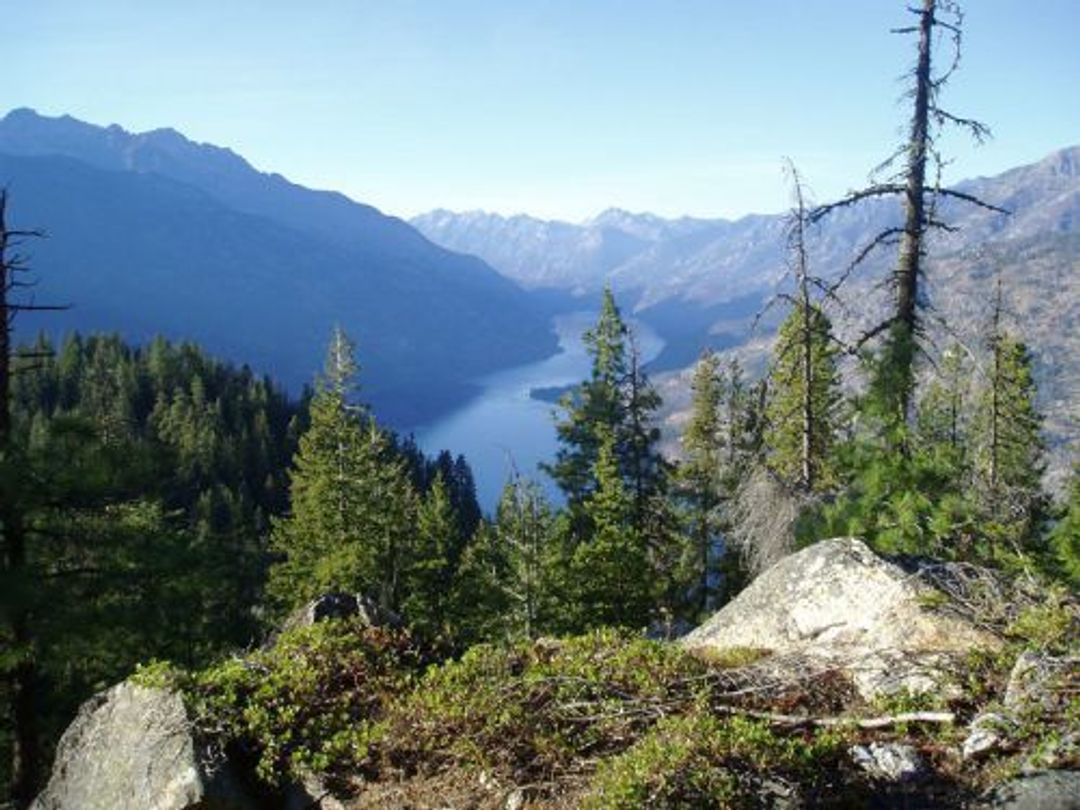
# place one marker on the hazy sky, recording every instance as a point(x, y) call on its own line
point(557, 108)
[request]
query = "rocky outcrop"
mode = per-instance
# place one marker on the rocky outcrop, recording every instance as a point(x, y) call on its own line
point(132, 748)
point(839, 605)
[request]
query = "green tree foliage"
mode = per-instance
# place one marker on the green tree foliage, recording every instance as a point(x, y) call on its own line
point(431, 568)
point(643, 467)
point(944, 409)
point(142, 534)
point(609, 577)
point(1009, 449)
point(595, 406)
point(509, 576)
point(615, 481)
point(803, 402)
point(968, 483)
point(457, 477)
point(700, 485)
point(352, 505)
point(1064, 538)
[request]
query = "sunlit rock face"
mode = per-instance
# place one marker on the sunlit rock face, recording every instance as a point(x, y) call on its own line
point(837, 604)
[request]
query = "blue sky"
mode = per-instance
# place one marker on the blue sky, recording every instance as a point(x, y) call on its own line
point(559, 108)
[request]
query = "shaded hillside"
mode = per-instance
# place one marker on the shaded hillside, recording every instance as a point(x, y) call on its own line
point(152, 233)
point(1041, 287)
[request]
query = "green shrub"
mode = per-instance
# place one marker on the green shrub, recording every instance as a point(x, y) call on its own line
point(530, 709)
point(1049, 625)
point(311, 703)
point(701, 761)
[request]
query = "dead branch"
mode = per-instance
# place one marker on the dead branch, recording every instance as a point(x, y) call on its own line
point(798, 720)
point(970, 198)
point(877, 190)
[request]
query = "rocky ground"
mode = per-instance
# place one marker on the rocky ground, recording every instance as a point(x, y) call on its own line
point(838, 678)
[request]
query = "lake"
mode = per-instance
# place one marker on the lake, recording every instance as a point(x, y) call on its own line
point(504, 428)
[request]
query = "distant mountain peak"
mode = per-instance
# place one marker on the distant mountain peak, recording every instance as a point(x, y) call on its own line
point(266, 265)
point(616, 214)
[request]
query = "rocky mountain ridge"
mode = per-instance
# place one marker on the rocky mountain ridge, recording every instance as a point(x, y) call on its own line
point(151, 233)
point(650, 260)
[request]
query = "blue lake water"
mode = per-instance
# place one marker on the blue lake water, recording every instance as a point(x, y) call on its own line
point(504, 428)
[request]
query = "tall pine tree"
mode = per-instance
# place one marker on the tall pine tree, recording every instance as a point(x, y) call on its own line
point(701, 484)
point(352, 505)
point(1009, 461)
point(803, 401)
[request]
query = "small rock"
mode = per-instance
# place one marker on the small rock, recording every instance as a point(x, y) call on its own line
point(515, 800)
point(891, 762)
point(986, 733)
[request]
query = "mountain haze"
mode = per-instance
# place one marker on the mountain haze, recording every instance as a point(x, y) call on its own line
point(151, 232)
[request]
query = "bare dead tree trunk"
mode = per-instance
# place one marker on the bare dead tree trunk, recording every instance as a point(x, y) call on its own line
point(919, 196)
point(22, 678)
point(911, 244)
point(803, 280)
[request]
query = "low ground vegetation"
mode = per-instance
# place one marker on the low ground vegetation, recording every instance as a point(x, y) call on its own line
point(610, 719)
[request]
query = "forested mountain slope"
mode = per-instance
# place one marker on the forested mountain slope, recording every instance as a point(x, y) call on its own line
point(152, 233)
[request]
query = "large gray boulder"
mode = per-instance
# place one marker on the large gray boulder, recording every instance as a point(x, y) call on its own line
point(838, 605)
point(132, 748)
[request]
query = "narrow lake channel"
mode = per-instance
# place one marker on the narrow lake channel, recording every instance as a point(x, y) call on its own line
point(503, 427)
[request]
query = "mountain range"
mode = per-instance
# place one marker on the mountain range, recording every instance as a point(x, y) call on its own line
point(700, 282)
point(651, 260)
point(151, 233)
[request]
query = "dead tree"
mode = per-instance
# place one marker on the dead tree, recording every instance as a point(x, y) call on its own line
point(802, 361)
point(22, 676)
point(920, 196)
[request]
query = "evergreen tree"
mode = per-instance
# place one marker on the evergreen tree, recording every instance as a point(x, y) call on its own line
point(479, 602)
point(352, 505)
point(431, 568)
point(1009, 461)
point(1064, 540)
point(645, 470)
point(524, 530)
point(594, 407)
point(944, 407)
point(609, 576)
point(803, 379)
point(701, 485)
point(509, 573)
point(804, 396)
